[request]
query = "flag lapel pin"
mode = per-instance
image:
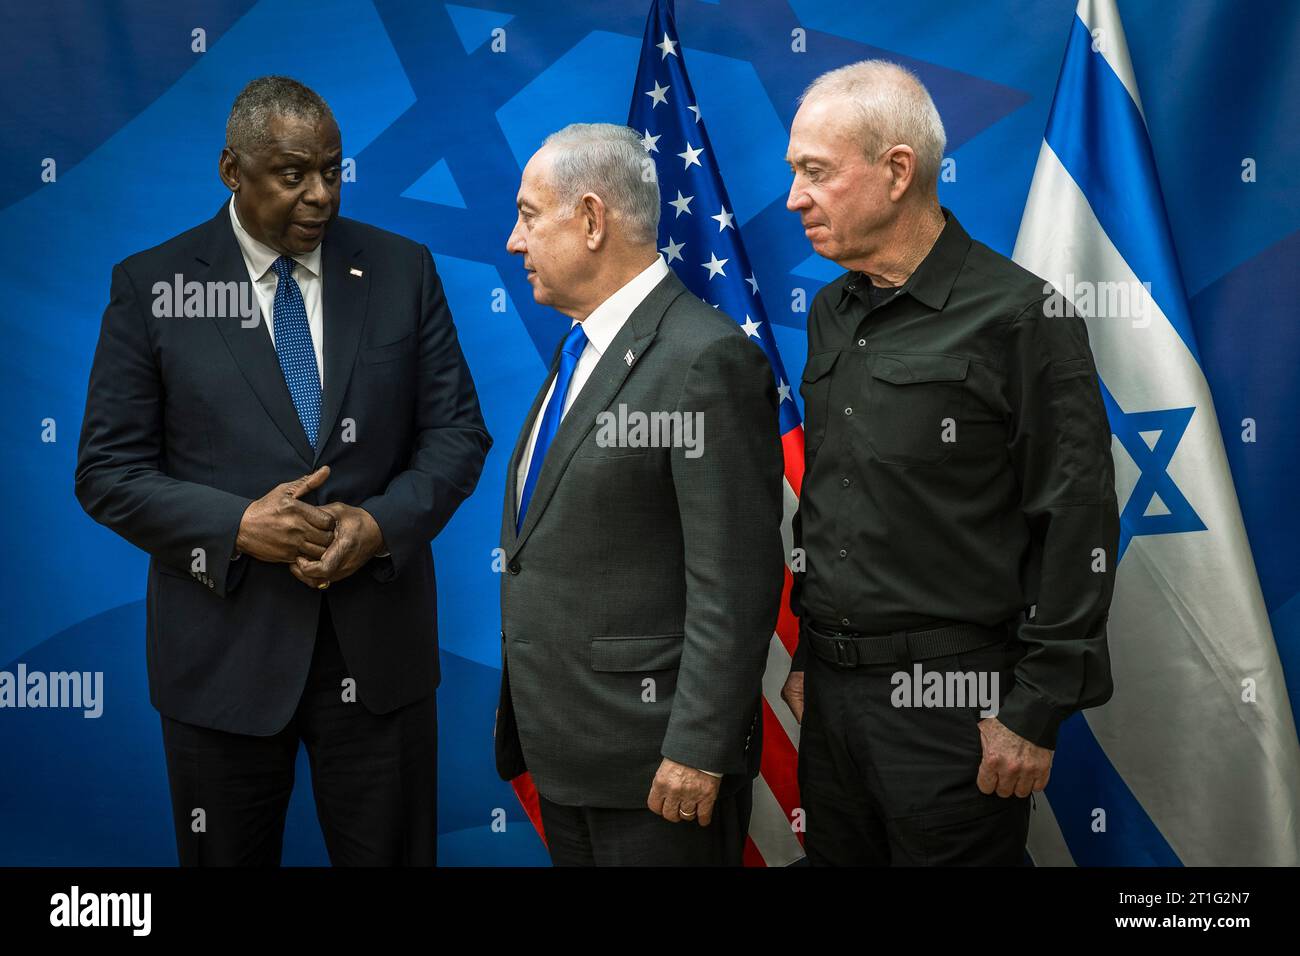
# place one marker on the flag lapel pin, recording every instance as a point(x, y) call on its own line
point(355, 272)
point(629, 358)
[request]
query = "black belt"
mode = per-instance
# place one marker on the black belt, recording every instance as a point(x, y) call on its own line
point(853, 649)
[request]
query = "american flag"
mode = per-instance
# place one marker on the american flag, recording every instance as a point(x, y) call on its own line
point(700, 240)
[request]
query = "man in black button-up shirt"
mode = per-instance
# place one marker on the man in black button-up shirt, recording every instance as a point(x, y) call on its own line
point(958, 495)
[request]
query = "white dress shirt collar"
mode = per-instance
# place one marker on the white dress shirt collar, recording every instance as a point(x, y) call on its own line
point(258, 256)
point(608, 318)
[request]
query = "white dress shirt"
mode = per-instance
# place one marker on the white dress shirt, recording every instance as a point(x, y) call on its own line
point(259, 258)
point(600, 327)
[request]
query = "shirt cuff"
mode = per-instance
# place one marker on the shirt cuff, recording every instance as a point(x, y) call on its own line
point(711, 773)
point(1028, 715)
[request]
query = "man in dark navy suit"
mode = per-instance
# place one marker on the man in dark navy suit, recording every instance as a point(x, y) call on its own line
point(280, 414)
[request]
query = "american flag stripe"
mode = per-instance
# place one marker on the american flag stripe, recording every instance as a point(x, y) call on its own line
point(774, 842)
point(792, 445)
point(778, 664)
point(526, 791)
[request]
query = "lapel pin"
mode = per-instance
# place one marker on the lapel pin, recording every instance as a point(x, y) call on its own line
point(629, 358)
point(355, 271)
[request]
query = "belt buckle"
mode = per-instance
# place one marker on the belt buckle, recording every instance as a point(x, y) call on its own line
point(846, 652)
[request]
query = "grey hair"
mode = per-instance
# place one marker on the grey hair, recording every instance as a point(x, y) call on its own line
point(267, 96)
point(891, 107)
point(608, 160)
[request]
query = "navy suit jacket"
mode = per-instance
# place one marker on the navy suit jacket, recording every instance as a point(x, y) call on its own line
point(189, 419)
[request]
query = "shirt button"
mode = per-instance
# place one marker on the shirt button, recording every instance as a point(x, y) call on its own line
point(843, 553)
point(845, 482)
point(844, 620)
point(861, 343)
point(848, 411)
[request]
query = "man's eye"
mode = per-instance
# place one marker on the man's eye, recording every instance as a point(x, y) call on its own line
point(293, 179)
point(332, 173)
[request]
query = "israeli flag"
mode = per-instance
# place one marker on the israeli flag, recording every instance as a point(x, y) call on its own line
point(1194, 761)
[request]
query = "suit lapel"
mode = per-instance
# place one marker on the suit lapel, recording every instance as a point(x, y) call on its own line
point(597, 394)
point(344, 293)
point(252, 348)
point(343, 308)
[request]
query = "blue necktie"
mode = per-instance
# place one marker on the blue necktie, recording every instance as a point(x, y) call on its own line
point(294, 349)
point(574, 343)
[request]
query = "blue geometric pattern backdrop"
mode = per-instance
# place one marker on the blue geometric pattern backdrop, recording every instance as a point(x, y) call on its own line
point(440, 106)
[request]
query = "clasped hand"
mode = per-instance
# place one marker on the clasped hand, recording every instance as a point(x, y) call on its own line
point(321, 545)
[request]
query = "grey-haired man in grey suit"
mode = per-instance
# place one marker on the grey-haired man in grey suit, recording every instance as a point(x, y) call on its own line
point(641, 532)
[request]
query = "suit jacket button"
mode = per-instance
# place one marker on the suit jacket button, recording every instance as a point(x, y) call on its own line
point(513, 567)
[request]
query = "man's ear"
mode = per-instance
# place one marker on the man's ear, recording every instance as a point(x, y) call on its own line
point(902, 170)
point(595, 220)
point(228, 169)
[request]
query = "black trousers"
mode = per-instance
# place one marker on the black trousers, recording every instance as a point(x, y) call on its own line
point(883, 785)
point(374, 778)
point(602, 836)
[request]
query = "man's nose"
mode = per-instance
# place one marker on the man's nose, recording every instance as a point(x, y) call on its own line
point(798, 198)
point(318, 194)
point(515, 242)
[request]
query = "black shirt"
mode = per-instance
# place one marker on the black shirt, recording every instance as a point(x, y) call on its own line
point(876, 295)
point(958, 469)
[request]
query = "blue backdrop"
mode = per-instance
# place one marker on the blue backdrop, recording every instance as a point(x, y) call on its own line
point(439, 123)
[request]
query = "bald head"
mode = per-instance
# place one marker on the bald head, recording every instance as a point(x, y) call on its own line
point(866, 146)
point(883, 104)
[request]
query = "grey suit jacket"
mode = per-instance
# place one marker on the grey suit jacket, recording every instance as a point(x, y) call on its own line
point(641, 592)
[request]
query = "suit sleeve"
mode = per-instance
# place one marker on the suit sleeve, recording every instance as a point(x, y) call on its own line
point(1060, 450)
point(729, 499)
point(451, 441)
point(119, 479)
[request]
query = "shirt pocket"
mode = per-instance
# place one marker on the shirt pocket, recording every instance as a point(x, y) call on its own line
point(1082, 429)
point(914, 406)
point(816, 390)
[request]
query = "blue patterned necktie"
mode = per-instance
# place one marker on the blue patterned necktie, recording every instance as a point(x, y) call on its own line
point(574, 343)
point(294, 349)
